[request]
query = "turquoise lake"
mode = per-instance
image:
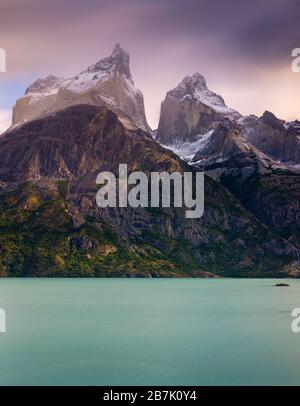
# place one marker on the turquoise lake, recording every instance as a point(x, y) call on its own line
point(149, 332)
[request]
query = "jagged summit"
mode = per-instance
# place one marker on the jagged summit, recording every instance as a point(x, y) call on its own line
point(191, 109)
point(270, 119)
point(118, 61)
point(189, 85)
point(118, 50)
point(196, 80)
point(194, 87)
point(108, 83)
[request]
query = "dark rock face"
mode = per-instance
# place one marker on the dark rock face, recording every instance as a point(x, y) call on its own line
point(74, 142)
point(225, 142)
point(48, 169)
point(83, 243)
point(275, 199)
point(271, 120)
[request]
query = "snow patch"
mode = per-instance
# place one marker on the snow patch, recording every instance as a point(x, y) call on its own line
point(187, 150)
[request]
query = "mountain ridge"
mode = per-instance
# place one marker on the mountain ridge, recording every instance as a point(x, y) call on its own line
point(108, 82)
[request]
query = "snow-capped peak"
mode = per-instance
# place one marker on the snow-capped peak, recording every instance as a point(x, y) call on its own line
point(194, 88)
point(197, 81)
point(107, 82)
point(188, 86)
point(117, 62)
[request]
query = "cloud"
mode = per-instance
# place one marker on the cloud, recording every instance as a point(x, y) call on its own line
point(38, 34)
point(235, 44)
point(269, 38)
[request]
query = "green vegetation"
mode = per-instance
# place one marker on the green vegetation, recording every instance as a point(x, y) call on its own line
point(38, 238)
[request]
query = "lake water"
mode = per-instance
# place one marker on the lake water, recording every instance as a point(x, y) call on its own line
point(149, 332)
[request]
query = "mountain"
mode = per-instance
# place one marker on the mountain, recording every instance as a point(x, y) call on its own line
point(269, 189)
point(275, 138)
point(189, 110)
point(50, 224)
point(107, 83)
point(256, 158)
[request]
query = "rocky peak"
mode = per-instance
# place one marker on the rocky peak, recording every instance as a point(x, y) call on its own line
point(190, 110)
point(194, 88)
point(188, 86)
point(224, 142)
point(271, 120)
point(117, 62)
point(106, 83)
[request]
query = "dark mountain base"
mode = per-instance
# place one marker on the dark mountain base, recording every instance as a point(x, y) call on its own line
point(43, 234)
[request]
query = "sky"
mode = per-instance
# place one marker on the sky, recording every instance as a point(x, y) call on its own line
point(243, 48)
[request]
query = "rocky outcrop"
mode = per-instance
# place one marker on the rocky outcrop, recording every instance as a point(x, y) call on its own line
point(189, 110)
point(272, 137)
point(293, 127)
point(271, 120)
point(224, 143)
point(107, 83)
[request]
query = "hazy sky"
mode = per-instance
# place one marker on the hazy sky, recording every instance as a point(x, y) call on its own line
point(242, 47)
